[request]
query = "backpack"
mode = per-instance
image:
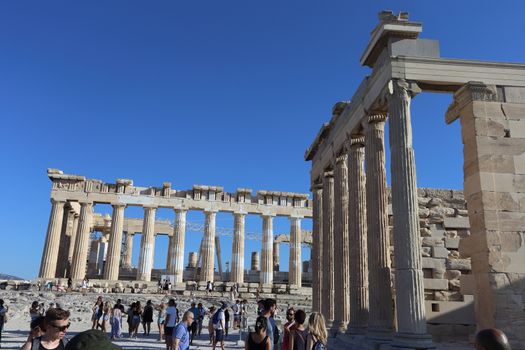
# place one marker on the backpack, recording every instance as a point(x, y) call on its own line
point(35, 345)
point(319, 345)
point(215, 318)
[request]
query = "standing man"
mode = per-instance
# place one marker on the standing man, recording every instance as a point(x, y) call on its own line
point(219, 324)
point(181, 336)
point(171, 321)
point(266, 311)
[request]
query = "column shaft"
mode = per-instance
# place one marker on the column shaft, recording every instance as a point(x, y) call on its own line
point(50, 253)
point(65, 235)
point(357, 234)
point(342, 245)
point(328, 248)
point(72, 243)
point(147, 245)
point(237, 273)
point(276, 255)
point(111, 270)
point(294, 270)
point(380, 292)
point(266, 274)
point(410, 302)
point(317, 249)
point(128, 252)
point(78, 266)
point(177, 248)
point(208, 248)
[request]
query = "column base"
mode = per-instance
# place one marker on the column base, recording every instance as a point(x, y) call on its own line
point(412, 341)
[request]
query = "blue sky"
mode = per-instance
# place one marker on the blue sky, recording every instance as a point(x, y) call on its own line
point(226, 93)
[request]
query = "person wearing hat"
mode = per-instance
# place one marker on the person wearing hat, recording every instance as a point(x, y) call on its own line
point(92, 339)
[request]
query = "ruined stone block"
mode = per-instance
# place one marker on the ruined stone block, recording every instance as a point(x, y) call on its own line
point(432, 263)
point(468, 284)
point(452, 274)
point(425, 232)
point(425, 251)
point(435, 284)
point(456, 222)
point(458, 264)
point(452, 243)
point(432, 242)
point(440, 252)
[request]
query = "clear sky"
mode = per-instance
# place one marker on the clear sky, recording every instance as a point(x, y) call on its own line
point(226, 93)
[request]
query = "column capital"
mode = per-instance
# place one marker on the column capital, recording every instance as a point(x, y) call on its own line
point(269, 215)
point(468, 93)
point(58, 201)
point(180, 210)
point(356, 141)
point(85, 202)
point(210, 211)
point(328, 174)
point(374, 118)
point(119, 204)
point(149, 206)
point(295, 216)
point(239, 213)
point(403, 88)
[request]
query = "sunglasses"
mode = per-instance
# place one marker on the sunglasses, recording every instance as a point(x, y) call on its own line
point(61, 328)
point(290, 314)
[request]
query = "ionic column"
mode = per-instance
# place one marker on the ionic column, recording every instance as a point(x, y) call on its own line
point(342, 245)
point(317, 248)
point(410, 302)
point(357, 234)
point(177, 245)
point(208, 247)
point(294, 270)
point(147, 245)
point(266, 274)
point(111, 270)
point(328, 248)
point(237, 273)
point(50, 254)
point(128, 252)
point(276, 255)
point(380, 293)
point(78, 266)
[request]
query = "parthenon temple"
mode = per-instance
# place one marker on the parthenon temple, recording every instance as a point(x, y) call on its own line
point(455, 266)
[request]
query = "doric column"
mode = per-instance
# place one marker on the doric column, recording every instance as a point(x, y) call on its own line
point(380, 292)
point(342, 246)
point(410, 302)
point(50, 254)
point(169, 257)
point(255, 264)
point(111, 270)
point(237, 273)
point(266, 274)
point(102, 251)
point(294, 270)
point(65, 239)
point(128, 250)
point(328, 248)
point(177, 245)
point(357, 234)
point(78, 267)
point(276, 255)
point(72, 243)
point(147, 245)
point(208, 247)
point(317, 249)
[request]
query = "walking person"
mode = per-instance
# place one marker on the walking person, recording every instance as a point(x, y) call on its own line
point(226, 321)
point(105, 316)
point(298, 333)
point(317, 334)
point(200, 317)
point(171, 321)
point(161, 319)
point(129, 313)
point(181, 336)
point(219, 324)
point(259, 340)
point(116, 322)
point(135, 320)
point(147, 317)
point(266, 311)
point(211, 330)
point(194, 325)
point(98, 310)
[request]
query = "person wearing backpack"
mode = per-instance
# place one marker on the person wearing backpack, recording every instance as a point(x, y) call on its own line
point(56, 323)
point(219, 324)
point(317, 336)
point(298, 334)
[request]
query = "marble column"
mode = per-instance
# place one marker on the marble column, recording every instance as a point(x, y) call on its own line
point(342, 244)
point(111, 270)
point(169, 258)
point(237, 273)
point(317, 248)
point(358, 238)
point(276, 255)
point(410, 300)
point(50, 254)
point(177, 245)
point(147, 245)
point(294, 270)
point(78, 267)
point(380, 292)
point(266, 274)
point(128, 249)
point(328, 249)
point(72, 243)
point(255, 264)
point(65, 239)
point(208, 247)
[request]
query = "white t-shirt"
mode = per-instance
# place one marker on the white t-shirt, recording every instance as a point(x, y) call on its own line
point(172, 311)
point(219, 324)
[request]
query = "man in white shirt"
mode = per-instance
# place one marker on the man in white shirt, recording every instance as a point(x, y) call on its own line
point(219, 325)
point(170, 323)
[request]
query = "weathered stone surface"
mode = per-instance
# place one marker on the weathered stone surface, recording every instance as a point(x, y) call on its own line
point(432, 242)
point(434, 202)
point(426, 251)
point(432, 263)
point(452, 243)
point(451, 234)
point(458, 264)
point(456, 222)
point(436, 284)
point(448, 296)
point(452, 274)
point(440, 252)
point(424, 212)
point(425, 232)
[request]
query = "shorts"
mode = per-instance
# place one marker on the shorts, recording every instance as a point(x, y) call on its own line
point(169, 331)
point(219, 335)
point(193, 327)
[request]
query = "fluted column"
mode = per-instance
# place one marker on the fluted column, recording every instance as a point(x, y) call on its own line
point(237, 273)
point(147, 245)
point(169, 257)
point(295, 268)
point(380, 292)
point(317, 249)
point(111, 270)
point(357, 234)
point(128, 250)
point(50, 254)
point(177, 245)
point(72, 243)
point(410, 302)
point(276, 255)
point(328, 248)
point(266, 274)
point(78, 266)
point(342, 245)
point(208, 247)
point(65, 239)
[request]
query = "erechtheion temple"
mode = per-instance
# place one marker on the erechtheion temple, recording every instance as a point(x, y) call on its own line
point(396, 267)
point(479, 252)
